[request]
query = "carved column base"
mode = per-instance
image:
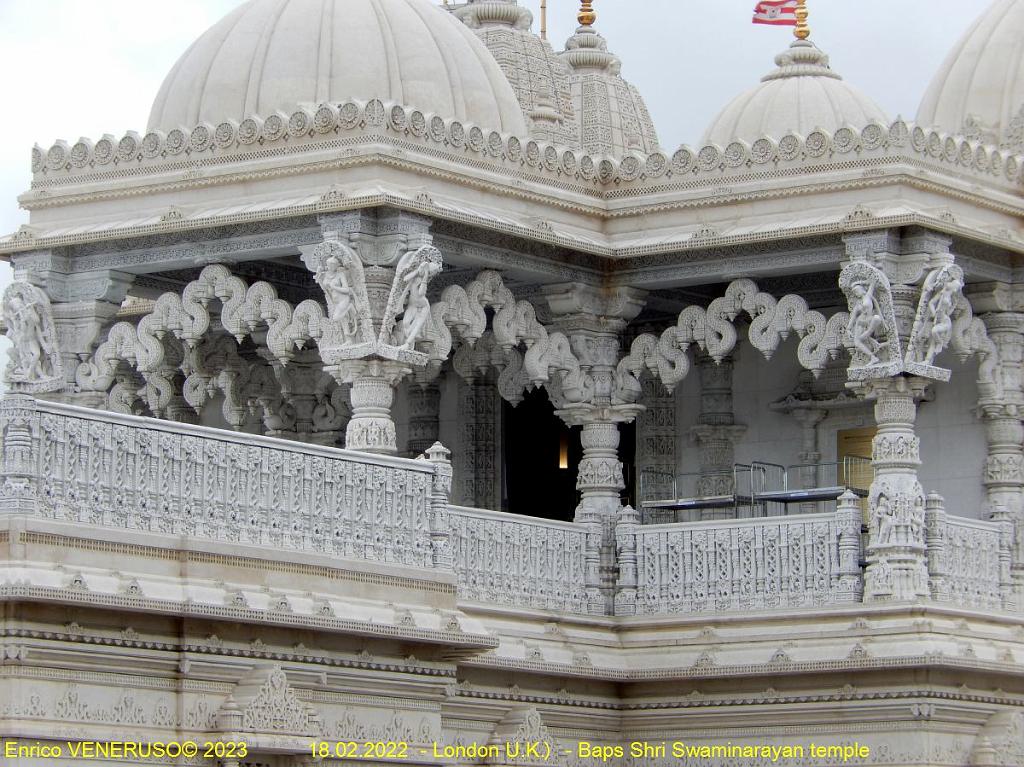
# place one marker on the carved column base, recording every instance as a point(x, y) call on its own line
point(372, 429)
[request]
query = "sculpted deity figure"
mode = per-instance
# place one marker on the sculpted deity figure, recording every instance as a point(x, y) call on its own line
point(333, 278)
point(416, 270)
point(943, 288)
point(865, 321)
point(417, 310)
point(34, 356)
point(885, 518)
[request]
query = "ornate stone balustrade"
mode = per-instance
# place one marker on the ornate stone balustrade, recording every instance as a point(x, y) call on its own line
point(750, 564)
point(969, 560)
point(517, 561)
point(125, 472)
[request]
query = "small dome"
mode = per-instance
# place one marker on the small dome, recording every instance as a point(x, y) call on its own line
point(270, 55)
point(801, 95)
point(611, 114)
point(979, 89)
point(538, 76)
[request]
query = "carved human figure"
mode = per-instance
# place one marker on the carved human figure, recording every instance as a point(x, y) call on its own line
point(945, 286)
point(417, 307)
point(31, 357)
point(333, 278)
point(865, 322)
point(885, 520)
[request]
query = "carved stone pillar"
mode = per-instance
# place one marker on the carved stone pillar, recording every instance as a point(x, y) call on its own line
point(897, 569)
point(717, 432)
point(809, 455)
point(373, 391)
point(478, 463)
point(655, 448)
point(301, 402)
point(600, 483)
point(1000, 307)
point(374, 268)
point(424, 417)
point(593, 320)
point(903, 298)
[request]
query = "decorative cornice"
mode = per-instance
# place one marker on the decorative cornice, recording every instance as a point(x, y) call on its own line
point(189, 151)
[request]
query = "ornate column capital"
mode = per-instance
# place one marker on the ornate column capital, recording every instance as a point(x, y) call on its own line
point(374, 267)
point(579, 307)
point(995, 297)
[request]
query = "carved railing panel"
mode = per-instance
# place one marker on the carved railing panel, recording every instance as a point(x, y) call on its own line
point(746, 564)
point(148, 475)
point(518, 561)
point(969, 559)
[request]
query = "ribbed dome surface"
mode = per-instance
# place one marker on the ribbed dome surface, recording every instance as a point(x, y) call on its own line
point(802, 95)
point(979, 89)
point(270, 55)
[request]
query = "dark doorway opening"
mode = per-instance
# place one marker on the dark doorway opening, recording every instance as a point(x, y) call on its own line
point(542, 457)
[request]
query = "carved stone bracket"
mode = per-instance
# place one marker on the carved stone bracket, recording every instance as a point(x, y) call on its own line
point(34, 365)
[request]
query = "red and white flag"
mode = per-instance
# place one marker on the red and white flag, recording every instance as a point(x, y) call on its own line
point(777, 12)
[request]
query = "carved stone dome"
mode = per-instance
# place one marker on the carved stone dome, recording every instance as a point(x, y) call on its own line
point(277, 55)
point(979, 89)
point(801, 95)
point(538, 76)
point(612, 115)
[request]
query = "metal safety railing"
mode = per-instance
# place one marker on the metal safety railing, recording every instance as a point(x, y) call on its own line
point(755, 489)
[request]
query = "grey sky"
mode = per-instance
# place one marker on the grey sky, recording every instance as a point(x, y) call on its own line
point(76, 68)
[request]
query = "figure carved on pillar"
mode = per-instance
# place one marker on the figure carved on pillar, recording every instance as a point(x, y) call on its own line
point(339, 271)
point(374, 271)
point(415, 271)
point(872, 323)
point(34, 365)
point(933, 324)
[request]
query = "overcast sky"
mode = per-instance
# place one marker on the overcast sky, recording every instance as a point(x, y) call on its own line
point(75, 68)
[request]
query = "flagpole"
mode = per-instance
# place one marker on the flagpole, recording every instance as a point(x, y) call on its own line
point(802, 31)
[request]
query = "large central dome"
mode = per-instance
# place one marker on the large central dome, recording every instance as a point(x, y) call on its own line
point(270, 55)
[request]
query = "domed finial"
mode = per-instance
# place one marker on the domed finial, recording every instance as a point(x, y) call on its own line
point(586, 17)
point(802, 31)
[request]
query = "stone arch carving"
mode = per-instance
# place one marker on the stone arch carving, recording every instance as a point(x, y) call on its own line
point(713, 331)
point(175, 342)
point(533, 356)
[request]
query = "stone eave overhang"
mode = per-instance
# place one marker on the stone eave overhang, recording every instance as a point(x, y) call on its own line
point(574, 206)
point(692, 237)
